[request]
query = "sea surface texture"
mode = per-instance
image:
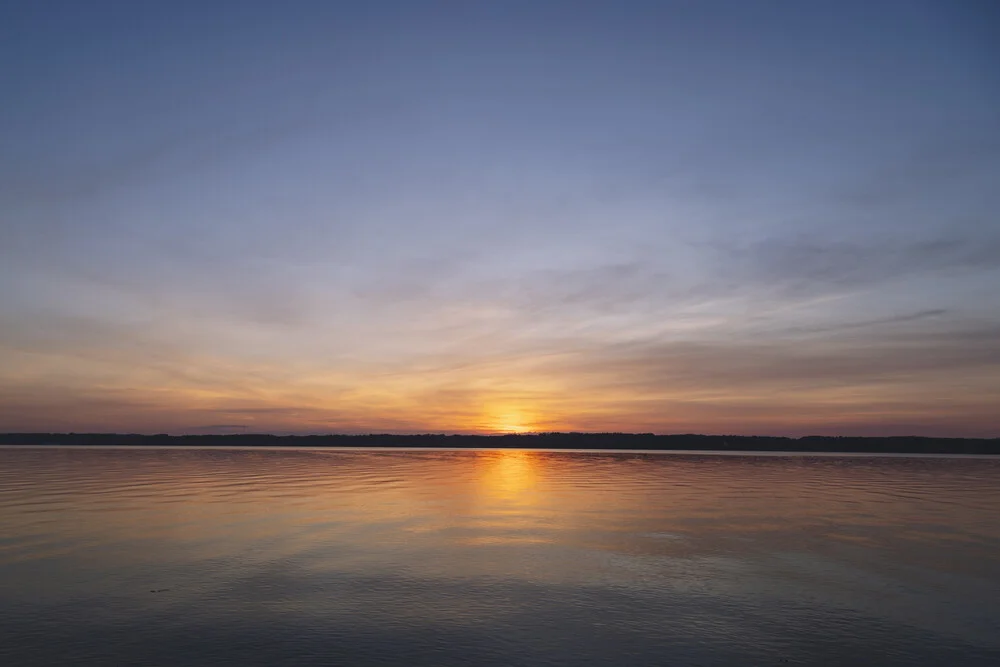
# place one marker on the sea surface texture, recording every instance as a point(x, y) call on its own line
point(326, 557)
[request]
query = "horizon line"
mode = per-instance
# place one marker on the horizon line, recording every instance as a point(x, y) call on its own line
point(501, 434)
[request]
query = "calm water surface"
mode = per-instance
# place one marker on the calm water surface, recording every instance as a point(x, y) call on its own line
point(326, 557)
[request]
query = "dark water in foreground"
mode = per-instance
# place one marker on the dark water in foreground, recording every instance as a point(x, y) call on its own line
point(495, 558)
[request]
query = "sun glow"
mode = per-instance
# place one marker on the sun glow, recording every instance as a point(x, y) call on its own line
point(511, 426)
point(510, 421)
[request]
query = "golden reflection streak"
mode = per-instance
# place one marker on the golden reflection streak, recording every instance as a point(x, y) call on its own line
point(509, 474)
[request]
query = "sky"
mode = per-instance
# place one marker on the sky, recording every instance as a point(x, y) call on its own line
point(746, 217)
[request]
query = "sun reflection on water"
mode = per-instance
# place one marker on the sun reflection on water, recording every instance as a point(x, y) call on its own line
point(509, 474)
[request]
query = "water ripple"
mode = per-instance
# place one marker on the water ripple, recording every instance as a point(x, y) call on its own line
point(260, 557)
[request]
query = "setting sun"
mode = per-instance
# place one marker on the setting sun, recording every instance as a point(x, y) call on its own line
point(510, 421)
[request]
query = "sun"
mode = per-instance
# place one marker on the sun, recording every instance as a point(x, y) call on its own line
point(513, 427)
point(510, 421)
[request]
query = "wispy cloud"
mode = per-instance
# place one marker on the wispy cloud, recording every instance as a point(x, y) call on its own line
point(878, 322)
point(802, 266)
point(751, 367)
point(220, 427)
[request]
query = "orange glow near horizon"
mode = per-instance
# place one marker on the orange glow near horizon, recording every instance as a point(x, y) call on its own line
point(501, 417)
point(480, 398)
point(511, 421)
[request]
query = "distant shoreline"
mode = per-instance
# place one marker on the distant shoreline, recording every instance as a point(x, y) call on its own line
point(542, 441)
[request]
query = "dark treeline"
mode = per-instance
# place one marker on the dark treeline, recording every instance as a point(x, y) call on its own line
point(691, 442)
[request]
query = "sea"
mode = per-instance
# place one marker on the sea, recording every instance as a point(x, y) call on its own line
point(212, 556)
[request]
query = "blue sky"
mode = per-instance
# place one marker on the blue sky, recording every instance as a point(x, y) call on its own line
point(741, 217)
